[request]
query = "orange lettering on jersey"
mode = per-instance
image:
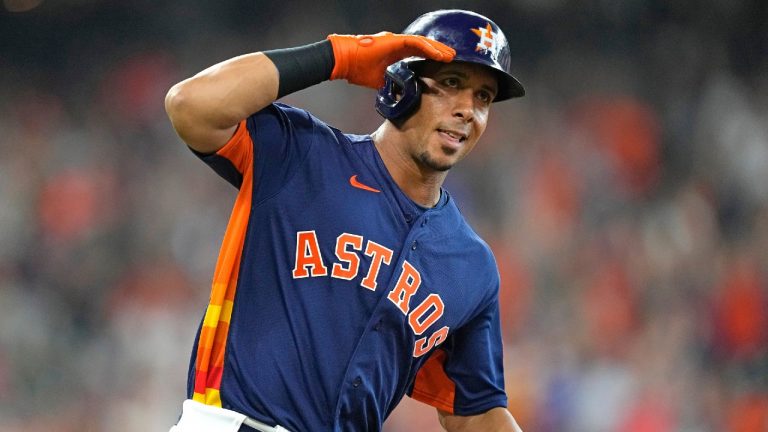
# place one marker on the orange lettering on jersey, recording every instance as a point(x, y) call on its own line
point(422, 346)
point(343, 242)
point(406, 286)
point(432, 307)
point(308, 256)
point(378, 254)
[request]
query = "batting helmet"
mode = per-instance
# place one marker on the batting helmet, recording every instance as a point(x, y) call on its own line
point(475, 38)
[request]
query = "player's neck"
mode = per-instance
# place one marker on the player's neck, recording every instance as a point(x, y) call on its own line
point(419, 183)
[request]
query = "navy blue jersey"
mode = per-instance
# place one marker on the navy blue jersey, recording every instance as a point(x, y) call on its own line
point(334, 294)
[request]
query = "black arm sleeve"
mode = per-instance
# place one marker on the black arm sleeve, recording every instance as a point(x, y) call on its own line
point(303, 66)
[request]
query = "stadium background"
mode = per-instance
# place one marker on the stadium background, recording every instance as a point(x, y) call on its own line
point(626, 199)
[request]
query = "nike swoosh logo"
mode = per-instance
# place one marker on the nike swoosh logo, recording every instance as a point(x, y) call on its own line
point(353, 181)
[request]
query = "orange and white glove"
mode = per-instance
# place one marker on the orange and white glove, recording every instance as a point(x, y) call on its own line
point(363, 59)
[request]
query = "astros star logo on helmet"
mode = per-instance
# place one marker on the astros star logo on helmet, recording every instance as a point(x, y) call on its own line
point(487, 40)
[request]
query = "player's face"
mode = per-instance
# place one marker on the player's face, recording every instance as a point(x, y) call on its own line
point(455, 104)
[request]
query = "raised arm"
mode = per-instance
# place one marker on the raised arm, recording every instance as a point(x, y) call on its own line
point(496, 419)
point(206, 108)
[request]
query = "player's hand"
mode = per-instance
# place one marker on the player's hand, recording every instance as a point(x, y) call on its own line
point(363, 59)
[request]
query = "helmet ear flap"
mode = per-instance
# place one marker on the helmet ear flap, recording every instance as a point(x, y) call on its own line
point(401, 92)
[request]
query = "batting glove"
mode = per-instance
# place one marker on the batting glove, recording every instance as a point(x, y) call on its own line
point(363, 59)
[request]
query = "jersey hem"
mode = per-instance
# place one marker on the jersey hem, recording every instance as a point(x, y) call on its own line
point(479, 409)
point(429, 399)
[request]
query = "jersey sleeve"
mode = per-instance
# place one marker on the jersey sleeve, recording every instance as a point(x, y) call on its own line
point(271, 142)
point(234, 158)
point(465, 376)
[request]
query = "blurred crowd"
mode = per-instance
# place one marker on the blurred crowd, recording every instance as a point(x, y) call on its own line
point(625, 198)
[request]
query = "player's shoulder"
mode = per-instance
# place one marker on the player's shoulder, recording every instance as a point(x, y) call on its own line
point(466, 232)
point(484, 260)
point(482, 246)
point(290, 122)
point(289, 112)
point(284, 113)
point(357, 138)
point(301, 116)
point(479, 255)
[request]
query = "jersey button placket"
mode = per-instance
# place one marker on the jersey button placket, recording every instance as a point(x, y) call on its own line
point(356, 383)
point(414, 245)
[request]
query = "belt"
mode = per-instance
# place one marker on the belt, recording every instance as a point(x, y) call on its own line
point(251, 425)
point(196, 416)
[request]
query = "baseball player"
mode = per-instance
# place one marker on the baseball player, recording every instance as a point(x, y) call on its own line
point(347, 277)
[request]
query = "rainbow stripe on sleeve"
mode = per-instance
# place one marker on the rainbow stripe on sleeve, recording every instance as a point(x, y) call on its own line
point(209, 361)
